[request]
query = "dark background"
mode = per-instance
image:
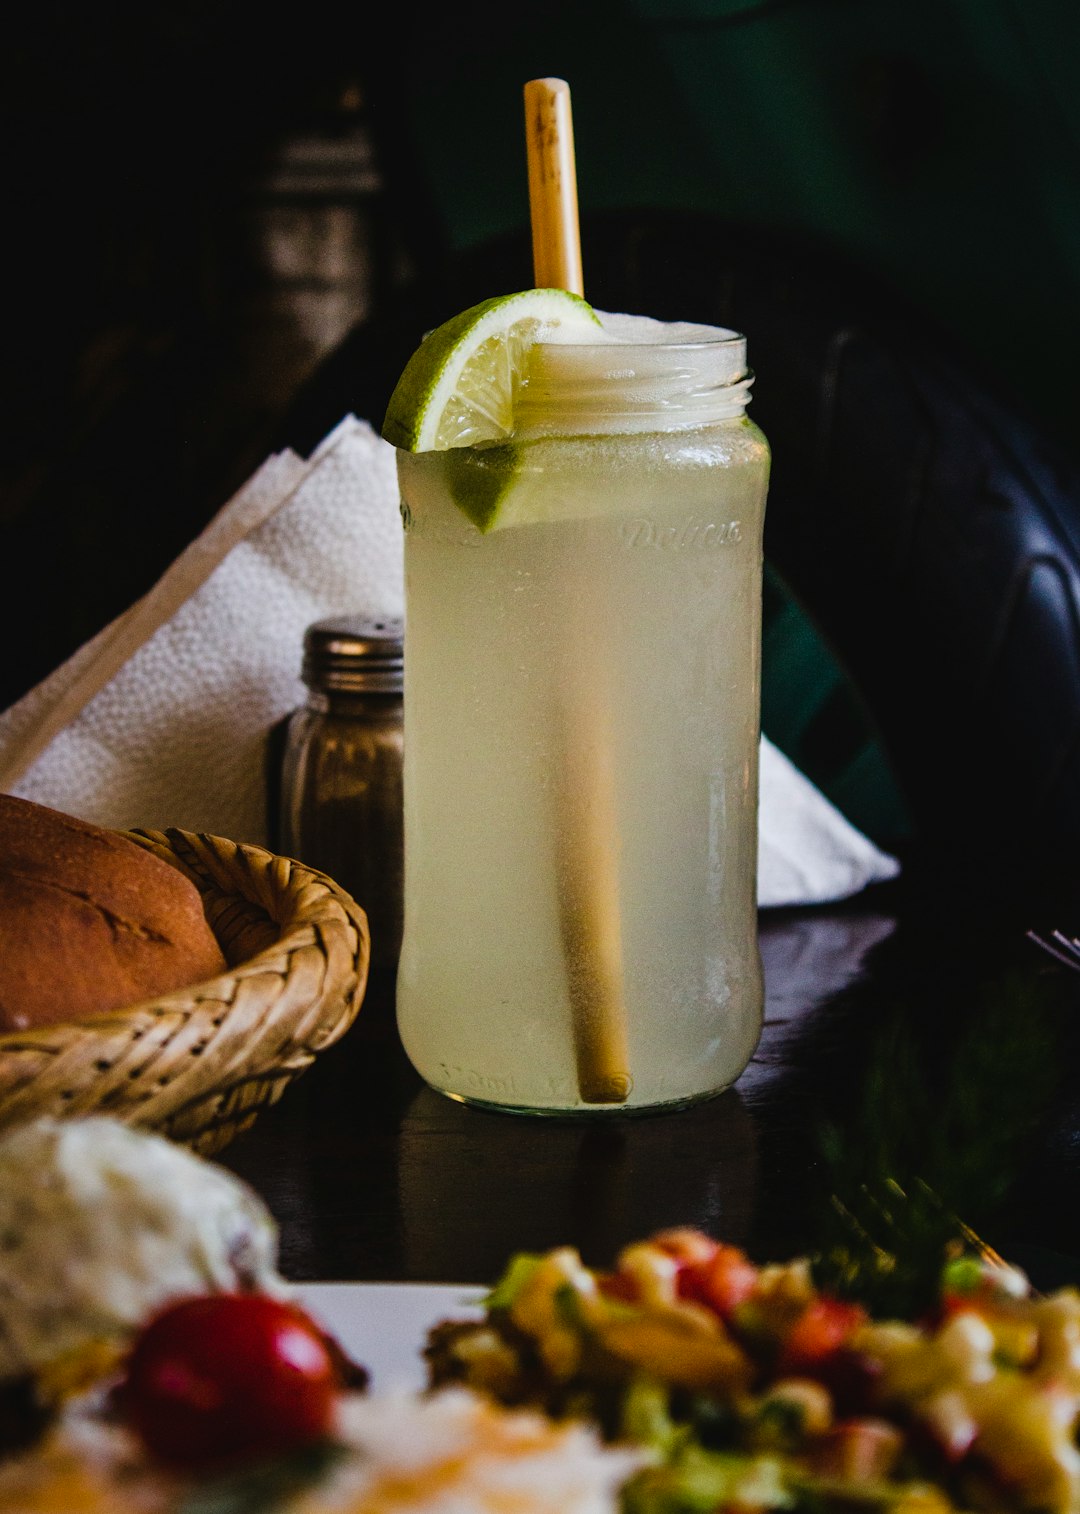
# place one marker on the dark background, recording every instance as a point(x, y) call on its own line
point(192, 209)
point(227, 226)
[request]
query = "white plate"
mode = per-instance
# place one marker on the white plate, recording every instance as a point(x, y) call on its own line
point(383, 1326)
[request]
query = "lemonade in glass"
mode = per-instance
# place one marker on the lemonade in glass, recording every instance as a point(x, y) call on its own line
point(583, 604)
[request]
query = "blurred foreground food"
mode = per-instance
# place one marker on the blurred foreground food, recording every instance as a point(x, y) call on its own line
point(755, 1388)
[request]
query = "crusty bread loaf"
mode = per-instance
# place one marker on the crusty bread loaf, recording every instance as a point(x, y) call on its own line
point(89, 921)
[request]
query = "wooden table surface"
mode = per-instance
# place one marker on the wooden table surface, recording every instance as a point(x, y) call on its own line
point(902, 1042)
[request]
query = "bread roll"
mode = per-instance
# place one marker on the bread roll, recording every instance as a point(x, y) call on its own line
point(89, 921)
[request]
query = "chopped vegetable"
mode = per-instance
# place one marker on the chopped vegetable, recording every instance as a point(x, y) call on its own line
point(228, 1379)
point(757, 1389)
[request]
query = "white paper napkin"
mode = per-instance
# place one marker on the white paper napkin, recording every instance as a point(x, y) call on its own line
point(163, 718)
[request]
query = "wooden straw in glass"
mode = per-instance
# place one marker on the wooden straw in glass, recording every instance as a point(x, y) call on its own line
point(553, 206)
point(584, 800)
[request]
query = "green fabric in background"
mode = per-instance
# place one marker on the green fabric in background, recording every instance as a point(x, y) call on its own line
point(933, 143)
point(812, 712)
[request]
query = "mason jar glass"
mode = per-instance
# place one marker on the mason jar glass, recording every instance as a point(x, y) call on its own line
point(581, 734)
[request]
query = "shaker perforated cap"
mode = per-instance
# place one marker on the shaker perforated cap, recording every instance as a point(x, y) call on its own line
point(361, 654)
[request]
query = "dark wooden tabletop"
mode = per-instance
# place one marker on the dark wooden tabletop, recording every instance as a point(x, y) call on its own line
point(908, 1048)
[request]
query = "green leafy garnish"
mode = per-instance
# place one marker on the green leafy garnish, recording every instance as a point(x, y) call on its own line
point(646, 1417)
point(696, 1481)
point(963, 1275)
point(520, 1269)
point(268, 1486)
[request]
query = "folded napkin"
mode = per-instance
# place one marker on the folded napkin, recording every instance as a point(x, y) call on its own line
point(163, 718)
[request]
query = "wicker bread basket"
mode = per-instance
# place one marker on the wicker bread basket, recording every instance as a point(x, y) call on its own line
point(198, 1064)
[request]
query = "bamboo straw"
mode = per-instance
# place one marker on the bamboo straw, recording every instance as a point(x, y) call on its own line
point(587, 836)
point(553, 207)
point(587, 851)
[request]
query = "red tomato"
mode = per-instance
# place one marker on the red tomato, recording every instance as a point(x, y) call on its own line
point(229, 1378)
point(951, 1304)
point(723, 1282)
point(619, 1285)
point(821, 1329)
point(853, 1379)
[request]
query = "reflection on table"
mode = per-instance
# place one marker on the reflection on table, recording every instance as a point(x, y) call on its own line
point(898, 1045)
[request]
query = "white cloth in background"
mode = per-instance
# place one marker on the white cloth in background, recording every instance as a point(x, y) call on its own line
point(808, 852)
point(162, 719)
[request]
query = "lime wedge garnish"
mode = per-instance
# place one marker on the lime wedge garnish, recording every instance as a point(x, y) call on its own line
point(458, 388)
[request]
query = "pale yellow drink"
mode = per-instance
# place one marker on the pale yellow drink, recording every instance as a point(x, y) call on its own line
point(583, 678)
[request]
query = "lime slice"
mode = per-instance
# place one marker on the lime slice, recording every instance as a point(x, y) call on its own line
point(458, 388)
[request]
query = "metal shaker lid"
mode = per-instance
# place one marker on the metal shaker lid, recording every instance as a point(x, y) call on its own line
point(359, 654)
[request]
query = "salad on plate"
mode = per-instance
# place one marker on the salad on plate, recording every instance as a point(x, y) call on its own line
point(153, 1360)
point(755, 1388)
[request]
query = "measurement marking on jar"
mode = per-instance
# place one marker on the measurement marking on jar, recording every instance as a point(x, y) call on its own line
point(683, 536)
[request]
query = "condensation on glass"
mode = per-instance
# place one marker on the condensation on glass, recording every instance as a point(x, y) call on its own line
point(582, 711)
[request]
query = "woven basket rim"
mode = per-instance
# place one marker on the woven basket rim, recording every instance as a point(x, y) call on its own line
point(334, 898)
point(199, 1063)
point(334, 908)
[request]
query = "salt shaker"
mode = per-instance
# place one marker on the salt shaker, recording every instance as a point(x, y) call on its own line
point(340, 804)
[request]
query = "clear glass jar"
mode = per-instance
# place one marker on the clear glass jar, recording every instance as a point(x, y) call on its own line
point(341, 779)
point(582, 707)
